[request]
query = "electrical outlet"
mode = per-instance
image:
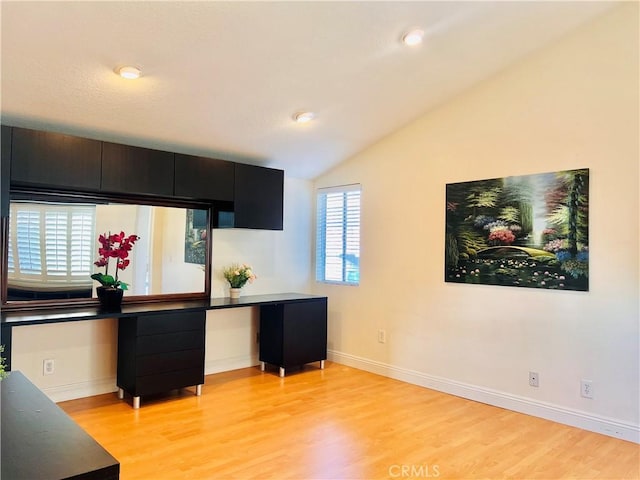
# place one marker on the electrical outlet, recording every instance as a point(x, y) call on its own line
point(586, 388)
point(534, 379)
point(48, 366)
point(382, 336)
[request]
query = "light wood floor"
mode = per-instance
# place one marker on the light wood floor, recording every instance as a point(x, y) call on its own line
point(339, 423)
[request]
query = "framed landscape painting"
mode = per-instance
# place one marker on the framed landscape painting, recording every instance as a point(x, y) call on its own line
point(524, 231)
point(195, 237)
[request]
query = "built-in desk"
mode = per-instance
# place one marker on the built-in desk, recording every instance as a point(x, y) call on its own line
point(40, 441)
point(161, 344)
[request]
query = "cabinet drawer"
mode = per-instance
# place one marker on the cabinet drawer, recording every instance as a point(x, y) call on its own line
point(162, 382)
point(169, 362)
point(170, 342)
point(170, 322)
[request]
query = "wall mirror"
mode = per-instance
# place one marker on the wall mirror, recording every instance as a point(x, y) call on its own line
point(51, 244)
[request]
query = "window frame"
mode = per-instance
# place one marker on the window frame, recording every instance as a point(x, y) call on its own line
point(349, 243)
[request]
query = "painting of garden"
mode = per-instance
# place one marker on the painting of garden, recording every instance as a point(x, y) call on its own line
point(524, 231)
point(195, 241)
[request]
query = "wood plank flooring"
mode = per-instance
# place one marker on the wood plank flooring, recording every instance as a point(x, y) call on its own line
point(339, 423)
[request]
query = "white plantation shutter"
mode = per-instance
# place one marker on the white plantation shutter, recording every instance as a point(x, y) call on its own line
point(338, 235)
point(27, 242)
point(10, 265)
point(51, 244)
point(55, 242)
point(82, 242)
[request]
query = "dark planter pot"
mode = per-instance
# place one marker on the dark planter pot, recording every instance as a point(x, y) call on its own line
point(110, 298)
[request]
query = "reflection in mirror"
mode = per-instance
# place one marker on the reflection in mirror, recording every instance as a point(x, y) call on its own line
point(52, 247)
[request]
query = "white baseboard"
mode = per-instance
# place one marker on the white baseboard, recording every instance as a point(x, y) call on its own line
point(231, 363)
point(556, 413)
point(71, 391)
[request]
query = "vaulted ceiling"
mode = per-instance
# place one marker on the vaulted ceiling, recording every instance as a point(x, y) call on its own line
point(223, 79)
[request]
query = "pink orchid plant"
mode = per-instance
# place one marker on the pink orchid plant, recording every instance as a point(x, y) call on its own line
point(116, 246)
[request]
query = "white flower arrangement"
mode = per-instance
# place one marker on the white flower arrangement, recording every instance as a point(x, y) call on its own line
point(239, 274)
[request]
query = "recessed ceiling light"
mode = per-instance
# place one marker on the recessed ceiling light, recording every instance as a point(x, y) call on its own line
point(303, 117)
point(129, 72)
point(413, 37)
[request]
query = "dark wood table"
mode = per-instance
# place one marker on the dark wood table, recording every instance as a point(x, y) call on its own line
point(10, 319)
point(40, 441)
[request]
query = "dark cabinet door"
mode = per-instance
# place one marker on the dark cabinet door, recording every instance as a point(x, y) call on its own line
point(258, 199)
point(272, 334)
point(202, 178)
point(127, 169)
point(305, 332)
point(292, 334)
point(5, 170)
point(54, 160)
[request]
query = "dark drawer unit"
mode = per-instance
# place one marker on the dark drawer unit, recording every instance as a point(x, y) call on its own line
point(160, 352)
point(292, 334)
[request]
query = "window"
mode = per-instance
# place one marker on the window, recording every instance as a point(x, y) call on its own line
point(338, 235)
point(50, 244)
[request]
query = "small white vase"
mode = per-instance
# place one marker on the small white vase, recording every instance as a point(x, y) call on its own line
point(234, 292)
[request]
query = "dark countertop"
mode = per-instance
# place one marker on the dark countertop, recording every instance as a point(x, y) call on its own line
point(16, 318)
point(40, 441)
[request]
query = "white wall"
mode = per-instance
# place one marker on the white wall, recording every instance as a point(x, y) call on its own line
point(85, 352)
point(84, 355)
point(175, 274)
point(572, 105)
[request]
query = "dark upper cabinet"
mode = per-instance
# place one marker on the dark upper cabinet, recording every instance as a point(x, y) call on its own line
point(240, 195)
point(5, 170)
point(258, 198)
point(203, 178)
point(54, 160)
point(127, 169)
